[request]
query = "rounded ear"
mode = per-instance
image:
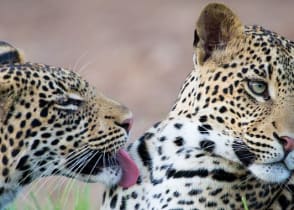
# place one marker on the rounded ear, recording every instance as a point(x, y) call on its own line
point(9, 54)
point(216, 27)
point(8, 93)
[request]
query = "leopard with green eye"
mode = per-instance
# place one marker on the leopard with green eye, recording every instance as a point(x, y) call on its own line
point(53, 122)
point(228, 141)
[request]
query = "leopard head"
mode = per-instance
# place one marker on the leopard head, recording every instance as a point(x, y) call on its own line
point(242, 89)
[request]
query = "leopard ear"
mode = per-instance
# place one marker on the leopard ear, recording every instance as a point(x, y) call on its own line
point(9, 54)
point(216, 27)
point(8, 92)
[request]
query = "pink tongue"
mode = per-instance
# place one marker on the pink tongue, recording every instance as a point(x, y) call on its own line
point(130, 169)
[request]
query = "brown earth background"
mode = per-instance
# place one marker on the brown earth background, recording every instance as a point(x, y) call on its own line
point(137, 52)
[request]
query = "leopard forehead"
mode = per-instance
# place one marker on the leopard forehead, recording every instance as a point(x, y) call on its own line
point(48, 79)
point(48, 98)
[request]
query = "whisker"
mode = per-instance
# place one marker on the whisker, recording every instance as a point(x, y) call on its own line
point(94, 166)
point(45, 173)
point(78, 60)
point(48, 169)
point(85, 67)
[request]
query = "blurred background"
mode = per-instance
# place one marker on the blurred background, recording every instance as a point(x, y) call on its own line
point(137, 52)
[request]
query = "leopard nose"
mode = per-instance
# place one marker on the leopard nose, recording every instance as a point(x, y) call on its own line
point(288, 143)
point(126, 124)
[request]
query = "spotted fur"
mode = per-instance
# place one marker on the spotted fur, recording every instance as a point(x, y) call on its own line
point(224, 139)
point(52, 122)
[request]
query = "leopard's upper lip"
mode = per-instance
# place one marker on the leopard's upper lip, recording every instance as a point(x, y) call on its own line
point(288, 161)
point(287, 143)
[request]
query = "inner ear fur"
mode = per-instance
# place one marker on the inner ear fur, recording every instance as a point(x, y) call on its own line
point(216, 28)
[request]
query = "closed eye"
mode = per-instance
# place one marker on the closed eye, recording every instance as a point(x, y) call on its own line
point(69, 103)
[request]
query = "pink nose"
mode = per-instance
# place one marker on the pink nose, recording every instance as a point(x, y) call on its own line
point(288, 143)
point(126, 124)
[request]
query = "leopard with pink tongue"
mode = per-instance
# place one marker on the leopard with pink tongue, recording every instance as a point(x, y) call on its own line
point(53, 122)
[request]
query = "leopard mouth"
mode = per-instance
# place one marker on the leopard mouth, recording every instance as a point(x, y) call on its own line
point(271, 172)
point(95, 164)
point(275, 172)
point(91, 162)
point(278, 171)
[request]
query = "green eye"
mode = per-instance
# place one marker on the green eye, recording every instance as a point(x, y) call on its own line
point(258, 88)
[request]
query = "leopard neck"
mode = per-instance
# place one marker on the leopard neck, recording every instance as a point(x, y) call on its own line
point(165, 159)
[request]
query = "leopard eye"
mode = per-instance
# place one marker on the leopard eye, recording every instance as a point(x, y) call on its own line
point(259, 88)
point(69, 103)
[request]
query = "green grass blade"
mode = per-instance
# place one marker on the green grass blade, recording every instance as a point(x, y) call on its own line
point(83, 199)
point(35, 202)
point(244, 203)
